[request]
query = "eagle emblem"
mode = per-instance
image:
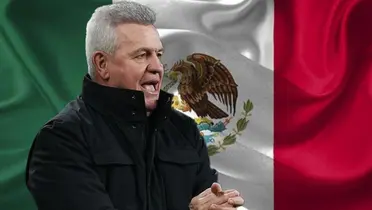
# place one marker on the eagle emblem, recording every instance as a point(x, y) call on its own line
point(202, 78)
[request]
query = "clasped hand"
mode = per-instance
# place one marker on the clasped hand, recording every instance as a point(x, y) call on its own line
point(214, 198)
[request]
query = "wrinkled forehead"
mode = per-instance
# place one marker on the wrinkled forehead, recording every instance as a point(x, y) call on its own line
point(138, 36)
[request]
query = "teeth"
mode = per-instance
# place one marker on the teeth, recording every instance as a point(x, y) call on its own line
point(149, 87)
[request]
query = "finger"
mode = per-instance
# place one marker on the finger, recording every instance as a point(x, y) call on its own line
point(229, 190)
point(232, 190)
point(224, 198)
point(236, 201)
point(208, 200)
point(226, 204)
point(211, 198)
point(216, 188)
point(198, 200)
point(203, 199)
point(204, 193)
point(219, 207)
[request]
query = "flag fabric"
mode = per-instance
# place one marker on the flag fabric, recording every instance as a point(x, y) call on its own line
point(240, 36)
point(42, 63)
point(299, 138)
point(44, 45)
point(322, 105)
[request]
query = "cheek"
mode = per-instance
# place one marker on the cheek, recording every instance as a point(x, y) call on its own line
point(128, 80)
point(130, 77)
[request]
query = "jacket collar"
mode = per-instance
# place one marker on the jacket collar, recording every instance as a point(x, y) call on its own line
point(127, 105)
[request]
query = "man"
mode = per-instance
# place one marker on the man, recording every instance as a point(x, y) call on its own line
point(120, 145)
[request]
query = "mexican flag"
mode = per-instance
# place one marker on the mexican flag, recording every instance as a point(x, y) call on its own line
point(291, 128)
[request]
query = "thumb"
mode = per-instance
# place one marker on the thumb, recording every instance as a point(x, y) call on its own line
point(216, 189)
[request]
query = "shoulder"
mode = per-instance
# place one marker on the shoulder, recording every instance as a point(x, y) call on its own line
point(60, 139)
point(68, 116)
point(66, 125)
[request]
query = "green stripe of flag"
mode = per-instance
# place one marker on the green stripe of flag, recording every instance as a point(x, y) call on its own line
point(42, 63)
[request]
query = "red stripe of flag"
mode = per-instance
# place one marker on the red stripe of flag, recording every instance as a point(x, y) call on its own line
point(323, 105)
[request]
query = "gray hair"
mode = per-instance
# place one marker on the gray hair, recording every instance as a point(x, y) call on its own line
point(100, 31)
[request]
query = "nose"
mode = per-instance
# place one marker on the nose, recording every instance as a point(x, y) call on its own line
point(155, 65)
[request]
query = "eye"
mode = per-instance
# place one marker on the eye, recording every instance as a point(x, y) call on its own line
point(159, 55)
point(143, 55)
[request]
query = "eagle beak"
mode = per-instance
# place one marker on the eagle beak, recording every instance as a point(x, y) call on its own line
point(173, 75)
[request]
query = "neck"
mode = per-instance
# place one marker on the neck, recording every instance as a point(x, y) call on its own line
point(124, 103)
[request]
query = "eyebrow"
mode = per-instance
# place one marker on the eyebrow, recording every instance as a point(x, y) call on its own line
point(146, 49)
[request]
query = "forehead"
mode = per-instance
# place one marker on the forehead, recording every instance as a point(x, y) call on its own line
point(135, 36)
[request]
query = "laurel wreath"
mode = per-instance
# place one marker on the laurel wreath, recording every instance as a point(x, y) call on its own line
point(241, 125)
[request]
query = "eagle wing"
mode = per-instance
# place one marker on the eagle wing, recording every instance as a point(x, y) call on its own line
point(191, 92)
point(215, 79)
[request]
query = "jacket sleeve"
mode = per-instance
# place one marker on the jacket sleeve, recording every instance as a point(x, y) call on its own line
point(206, 175)
point(59, 171)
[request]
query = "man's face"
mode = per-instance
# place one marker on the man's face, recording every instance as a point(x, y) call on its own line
point(136, 63)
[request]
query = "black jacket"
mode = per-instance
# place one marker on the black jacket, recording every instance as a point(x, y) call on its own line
point(102, 152)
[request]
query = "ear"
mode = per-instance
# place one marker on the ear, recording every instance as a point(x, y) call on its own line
point(100, 61)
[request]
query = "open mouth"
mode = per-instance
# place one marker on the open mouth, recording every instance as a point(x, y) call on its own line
point(150, 86)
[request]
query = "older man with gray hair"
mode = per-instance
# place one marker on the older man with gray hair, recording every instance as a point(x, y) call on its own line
point(120, 145)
